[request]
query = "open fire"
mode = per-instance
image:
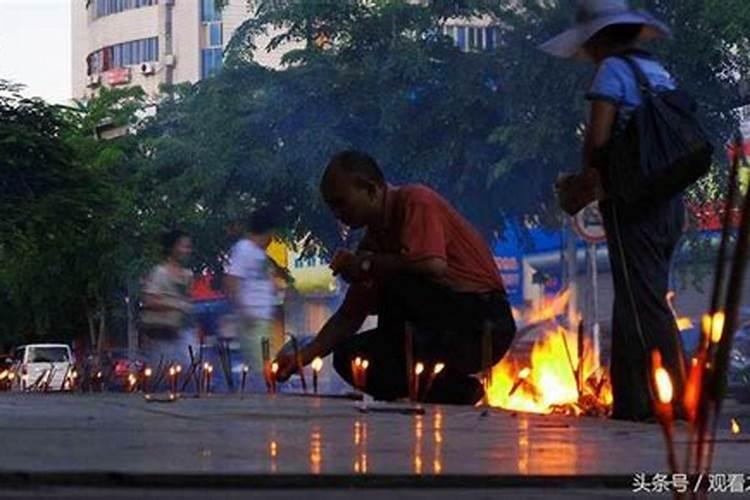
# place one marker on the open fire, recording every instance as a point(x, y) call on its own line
point(546, 378)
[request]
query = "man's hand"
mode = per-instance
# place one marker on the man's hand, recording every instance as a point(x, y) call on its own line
point(287, 366)
point(347, 265)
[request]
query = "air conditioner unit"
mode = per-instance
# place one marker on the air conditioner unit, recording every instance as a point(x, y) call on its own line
point(147, 69)
point(170, 60)
point(93, 81)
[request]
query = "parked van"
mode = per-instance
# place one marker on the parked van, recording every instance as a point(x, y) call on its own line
point(43, 367)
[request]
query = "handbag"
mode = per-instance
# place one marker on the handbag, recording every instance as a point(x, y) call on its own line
point(662, 150)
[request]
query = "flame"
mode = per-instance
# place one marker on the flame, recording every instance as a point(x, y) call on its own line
point(735, 426)
point(439, 367)
point(550, 308)
point(548, 379)
point(717, 326)
point(664, 390)
point(245, 368)
point(317, 364)
point(274, 367)
point(3, 374)
point(683, 323)
point(418, 368)
point(365, 364)
point(148, 372)
point(693, 388)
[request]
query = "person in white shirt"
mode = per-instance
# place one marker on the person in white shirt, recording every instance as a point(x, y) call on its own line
point(249, 285)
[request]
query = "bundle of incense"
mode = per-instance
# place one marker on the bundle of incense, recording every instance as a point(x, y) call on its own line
point(713, 388)
point(409, 355)
point(298, 361)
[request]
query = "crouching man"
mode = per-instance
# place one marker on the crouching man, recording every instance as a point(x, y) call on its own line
point(420, 262)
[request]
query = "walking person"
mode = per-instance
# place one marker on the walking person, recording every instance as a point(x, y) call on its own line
point(166, 302)
point(249, 286)
point(641, 236)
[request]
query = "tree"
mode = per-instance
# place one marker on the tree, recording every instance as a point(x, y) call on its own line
point(65, 201)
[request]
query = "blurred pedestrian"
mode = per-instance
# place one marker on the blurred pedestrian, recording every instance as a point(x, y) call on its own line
point(166, 302)
point(249, 285)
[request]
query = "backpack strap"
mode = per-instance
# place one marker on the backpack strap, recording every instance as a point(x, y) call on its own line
point(643, 82)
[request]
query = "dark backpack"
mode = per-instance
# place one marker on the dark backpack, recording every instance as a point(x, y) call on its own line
point(662, 150)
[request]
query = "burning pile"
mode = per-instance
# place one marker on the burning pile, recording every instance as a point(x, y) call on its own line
point(559, 373)
point(553, 378)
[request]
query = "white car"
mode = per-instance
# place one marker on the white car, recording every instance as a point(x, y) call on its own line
point(43, 367)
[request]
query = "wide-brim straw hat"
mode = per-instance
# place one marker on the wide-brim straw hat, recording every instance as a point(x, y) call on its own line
point(593, 16)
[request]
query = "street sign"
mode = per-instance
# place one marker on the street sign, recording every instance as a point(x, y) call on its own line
point(588, 224)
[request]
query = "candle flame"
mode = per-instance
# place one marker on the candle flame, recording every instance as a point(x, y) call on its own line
point(172, 371)
point(98, 374)
point(178, 368)
point(358, 361)
point(735, 426)
point(210, 369)
point(365, 364)
point(524, 373)
point(418, 368)
point(147, 372)
point(717, 326)
point(11, 376)
point(3, 374)
point(317, 364)
point(245, 368)
point(438, 368)
point(664, 390)
point(205, 365)
point(274, 367)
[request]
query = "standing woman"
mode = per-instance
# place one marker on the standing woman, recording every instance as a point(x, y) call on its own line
point(642, 238)
point(166, 301)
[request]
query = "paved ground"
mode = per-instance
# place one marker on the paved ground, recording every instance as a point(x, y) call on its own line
point(71, 446)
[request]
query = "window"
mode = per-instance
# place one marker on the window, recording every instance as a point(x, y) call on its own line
point(123, 54)
point(101, 8)
point(214, 36)
point(209, 12)
point(48, 355)
point(211, 60)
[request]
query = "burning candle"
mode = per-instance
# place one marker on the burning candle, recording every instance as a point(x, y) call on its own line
point(663, 405)
point(735, 426)
point(436, 370)
point(418, 370)
point(132, 382)
point(317, 365)
point(172, 379)
point(146, 377)
point(363, 374)
point(245, 369)
point(717, 326)
point(209, 376)
point(274, 371)
point(357, 372)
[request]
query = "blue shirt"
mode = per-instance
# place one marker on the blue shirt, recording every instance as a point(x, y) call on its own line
point(616, 83)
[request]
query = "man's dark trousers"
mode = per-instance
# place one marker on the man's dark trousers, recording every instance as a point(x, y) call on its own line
point(447, 327)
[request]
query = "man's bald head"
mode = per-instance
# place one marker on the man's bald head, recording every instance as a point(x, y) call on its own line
point(357, 164)
point(353, 186)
